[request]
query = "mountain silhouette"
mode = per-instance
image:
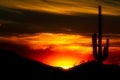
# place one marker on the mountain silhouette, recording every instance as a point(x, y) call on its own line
point(94, 70)
point(16, 67)
point(12, 66)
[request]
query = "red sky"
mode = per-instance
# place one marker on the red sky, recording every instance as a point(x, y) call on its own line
point(60, 50)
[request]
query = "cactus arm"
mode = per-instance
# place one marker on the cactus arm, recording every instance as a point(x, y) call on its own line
point(94, 44)
point(105, 52)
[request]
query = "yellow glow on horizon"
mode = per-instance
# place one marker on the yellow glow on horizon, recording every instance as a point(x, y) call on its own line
point(64, 63)
point(66, 67)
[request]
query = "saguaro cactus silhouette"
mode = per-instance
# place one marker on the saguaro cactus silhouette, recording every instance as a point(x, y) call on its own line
point(99, 54)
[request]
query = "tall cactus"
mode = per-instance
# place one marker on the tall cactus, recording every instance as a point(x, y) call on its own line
point(98, 54)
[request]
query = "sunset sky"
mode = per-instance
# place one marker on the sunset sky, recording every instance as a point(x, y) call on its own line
point(58, 32)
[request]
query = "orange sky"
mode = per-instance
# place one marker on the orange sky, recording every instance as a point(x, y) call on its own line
point(63, 50)
point(60, 50)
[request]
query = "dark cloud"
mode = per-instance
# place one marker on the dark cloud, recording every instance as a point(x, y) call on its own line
point(34, 22)
point(16, 20)
point(22, 48)
point(15, 47)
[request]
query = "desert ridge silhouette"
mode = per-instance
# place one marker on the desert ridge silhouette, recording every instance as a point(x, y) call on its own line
point(13, 66)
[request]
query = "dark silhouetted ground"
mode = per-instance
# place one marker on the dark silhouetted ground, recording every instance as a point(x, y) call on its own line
point(16, 67)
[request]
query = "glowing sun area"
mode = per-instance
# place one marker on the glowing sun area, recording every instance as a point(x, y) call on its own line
point(57, 49)
point(60, 50)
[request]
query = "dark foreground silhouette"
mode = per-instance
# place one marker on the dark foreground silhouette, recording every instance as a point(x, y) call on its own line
point(16, 67)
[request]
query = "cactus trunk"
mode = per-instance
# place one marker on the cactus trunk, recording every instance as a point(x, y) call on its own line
point(100, 32)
